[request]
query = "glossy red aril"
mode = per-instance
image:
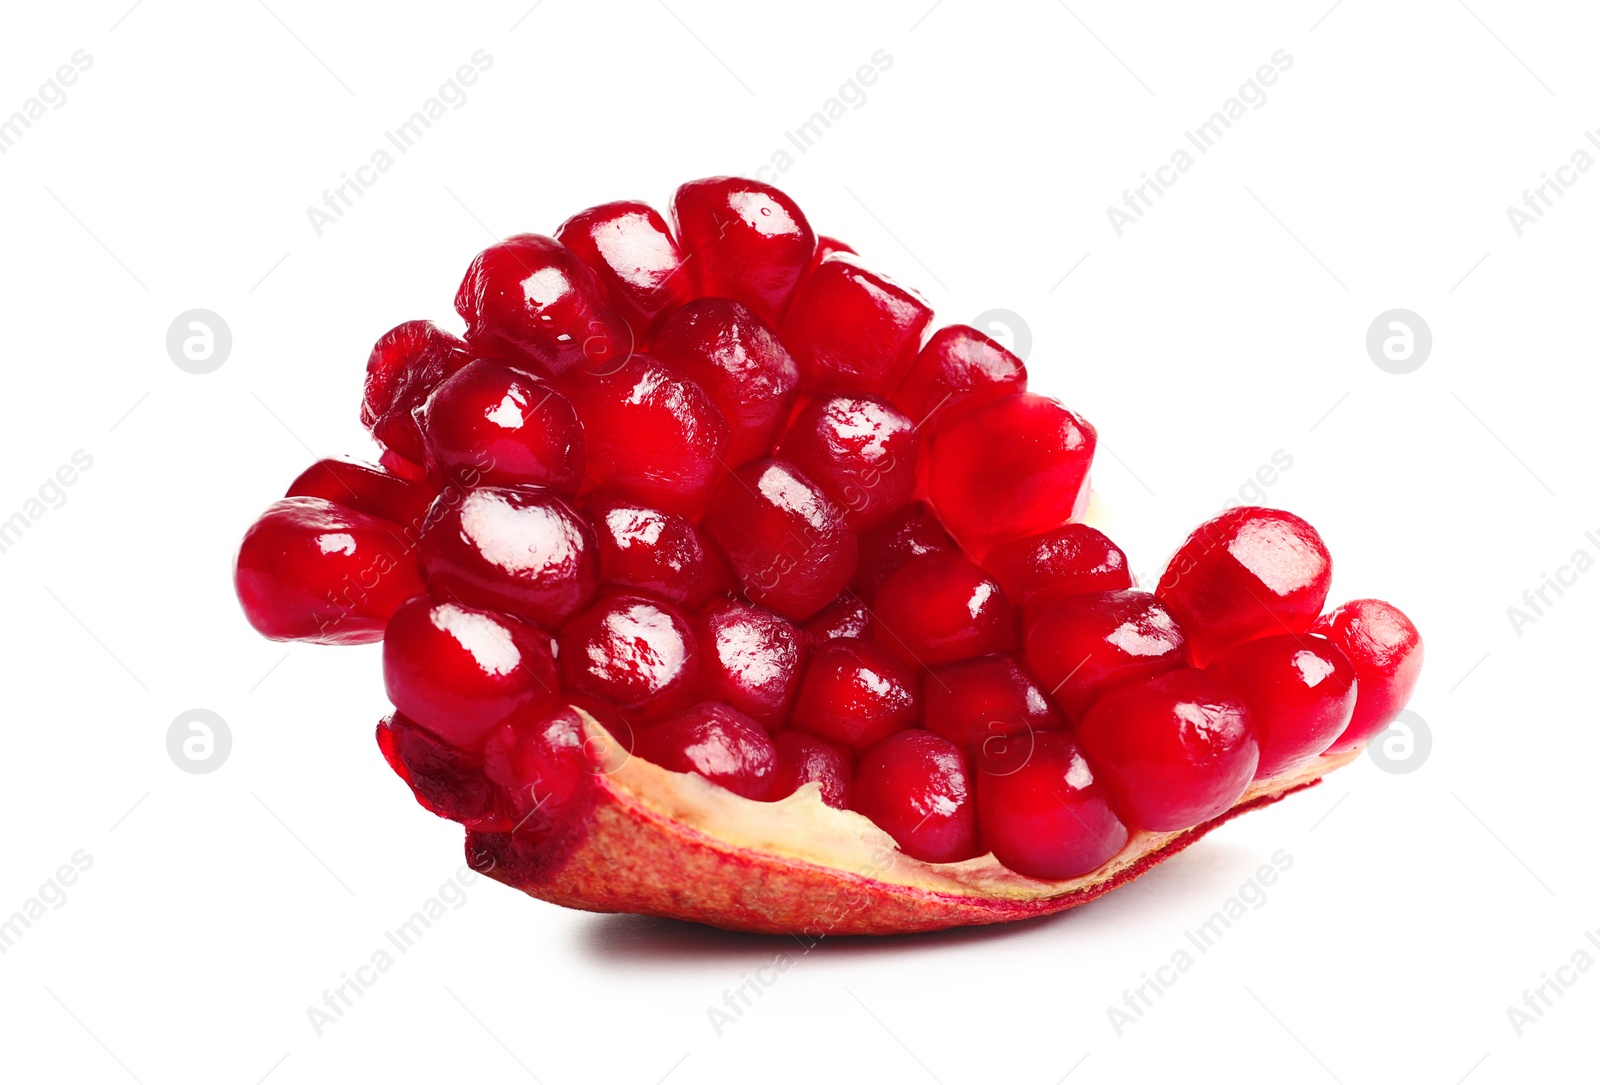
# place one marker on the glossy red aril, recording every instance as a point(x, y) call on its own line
point(461, 671)
point(632, 652)
point(979, 700)
point(1300, 691)
point(852, 330)
point(1069, 558)
point(915, 787)
point(521, 550)
point(1011, 467)
point(907, 534)
point(854, 693)
point(860, 450)
point(537, 761)
point(745, 240)
point(1386, 651)
point(846, 617)
point(445, 780)
point(531, 295)
point(629, 247)
point(740, 364)
point(804, 759)
point(958, 367)
point(406, 364)
point(658, 553)
point(1173, 750)
point(367, 489)
point(309, 569)
point(1081, 644)
point(718, 742)
point(652, 434)
point(1042, 811)
point(941, 608)
point(491, 423)
point(788, 544)
point(1244, 574)
point(751, 658)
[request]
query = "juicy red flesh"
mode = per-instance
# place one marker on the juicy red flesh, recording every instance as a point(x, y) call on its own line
point(658, 553)
point(852, 330)
point(367, 489)
point(1070, 558)
point(958, 367)
point(941, 608)
point(979, 701)
point(1300, 691)
point(1082, 644)
point(491, 423)
point(1386, 651)
point(630, 248)
point(718, 742)
point(856, 693)
point(447, 781)
point(538, 762)
point(752, 659)
point(915, 786)
point(860, 450)
point(1042, 811)
point(907, 534)
point(405, 365)
point(745, 240)
point(846, 617)
point(632, 652)
point(804, 759)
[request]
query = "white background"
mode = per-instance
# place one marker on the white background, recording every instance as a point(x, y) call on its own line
point(1226, 325)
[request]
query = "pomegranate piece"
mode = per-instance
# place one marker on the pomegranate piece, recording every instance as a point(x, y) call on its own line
point(367, 489)
point(941, 608)
point(658, 553)
point(744, 240)
point(740, 364)
point(958, 367)
point(525, 551)
point(718, 742)
point(855, 693)
point(406, 364)
point(461, 671)
point(631, 652)
point(1011, 467)
point(860, 450)
point(752, 659)
point(788, 544)
point(1070, 558)
point(496, 424)
point(531, 295)
point(1041, 809)
point(978, 701)
point(845, 617)
point(852, 330)
point(1174, 750)
point(804, 759)
point(445, 781)
point(914, 786)
point(1300, 691)
point(1081, 644)
point(630, 249)
point(907, 534)
point(537, 761)
point(1244, 574)
point(309, 569)
point(652, 434)
point(1386, 651)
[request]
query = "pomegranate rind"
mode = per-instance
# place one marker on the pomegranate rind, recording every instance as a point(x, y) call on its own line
point(653, 842)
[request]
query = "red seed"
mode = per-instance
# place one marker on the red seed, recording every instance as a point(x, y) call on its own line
point(959, 367)
point(804, 759)
point(1071, 558)
point(1386, 651)
point(1300, 691)
point(718, 742)
point(1081, 644)
point(941, 608)
point(856, 693)
point(852, 330)
point(915, 787)
point(629, 247)
point(752, 659)
point(745, 240)
point(860, 450)
point(1043, 812)
point(491, 423)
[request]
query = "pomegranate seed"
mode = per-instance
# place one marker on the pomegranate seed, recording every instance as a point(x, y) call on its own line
point(659, 553)
point(1243, 574)
point(1386, 651)
point(406, 364)
point(520, 550)
point(941, 608)
point(630, 249)
point(804, 759)
point(538, 762)
point(367, 489)
point(845, 617)
point(1173, 750)
point(852, 330)
point(1300, 691)
point(1081, 644)
point(789, 546)
point(400, 467)
point(959, 367)
point(1070, 558)
point(461, 671)
point(907, 534)
point(751, 659)
point(745, 240)
point(742, 366)
point(652, 434)
point(1042, 811)
point(855, 693)
point(979, 700)
point(631, 652)
point(309, 569)
point(531, 295)
point(914, 786)
point(718, 742)
point(496, 424)
point(445, 781)
point(860, 450)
